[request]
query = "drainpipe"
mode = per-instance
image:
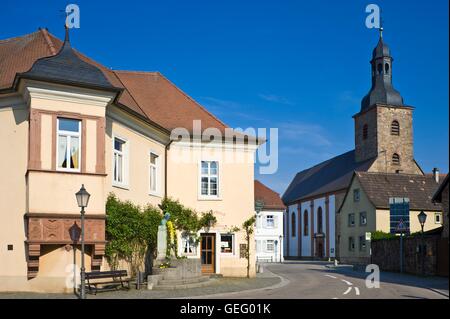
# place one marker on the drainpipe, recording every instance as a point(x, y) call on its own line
point(165, 167)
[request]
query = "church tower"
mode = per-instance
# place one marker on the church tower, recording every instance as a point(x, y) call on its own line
point(383, 127)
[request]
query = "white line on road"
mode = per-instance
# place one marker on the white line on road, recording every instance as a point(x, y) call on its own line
point(331, 276)
point(357, 291)
point(348, 290)
point(347, 282)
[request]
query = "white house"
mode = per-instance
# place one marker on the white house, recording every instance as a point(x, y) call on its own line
point(269, 224)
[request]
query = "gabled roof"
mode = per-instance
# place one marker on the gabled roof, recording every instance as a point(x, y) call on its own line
point(379, 187)
point(148, 95)
point(437, 197)
point(270, 198)
point(329, 176)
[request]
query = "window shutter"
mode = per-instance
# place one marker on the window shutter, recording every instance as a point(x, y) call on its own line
point(275, 221)
point(265, 245)
point(258, 222)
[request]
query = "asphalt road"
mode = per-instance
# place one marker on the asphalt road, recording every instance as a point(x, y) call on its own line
point(312, 280)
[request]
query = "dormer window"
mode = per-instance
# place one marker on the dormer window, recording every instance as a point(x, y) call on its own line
point(68, 152)
point(395, 128)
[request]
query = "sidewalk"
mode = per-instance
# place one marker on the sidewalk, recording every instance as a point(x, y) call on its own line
point(439, 285)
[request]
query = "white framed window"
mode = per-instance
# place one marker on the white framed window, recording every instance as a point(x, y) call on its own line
point(227, 243)
point(270, 246)
point(437, 218)
point(270, 221)
point(120, 162)
point(154, 174)
point(209, 179)
point(188, 245)
point(68, 152)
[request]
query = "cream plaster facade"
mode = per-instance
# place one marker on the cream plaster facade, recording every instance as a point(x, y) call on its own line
point(377, 220)
point(34, 193)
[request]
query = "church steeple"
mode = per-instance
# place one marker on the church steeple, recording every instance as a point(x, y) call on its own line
point(382, 91)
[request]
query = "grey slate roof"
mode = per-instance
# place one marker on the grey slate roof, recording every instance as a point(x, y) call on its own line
point(418, 188)
point(382, 90)
point(67, 68)
point(329, 176)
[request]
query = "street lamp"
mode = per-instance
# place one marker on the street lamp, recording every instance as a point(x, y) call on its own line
point(422, 219)
point(82, 199)
point(281, 247)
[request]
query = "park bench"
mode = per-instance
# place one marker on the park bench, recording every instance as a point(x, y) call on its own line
point(108, 280)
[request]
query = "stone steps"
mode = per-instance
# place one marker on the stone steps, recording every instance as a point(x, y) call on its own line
point(200, 284)
point(168, 282)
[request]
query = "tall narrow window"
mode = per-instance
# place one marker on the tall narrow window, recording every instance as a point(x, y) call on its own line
point(209, 178)
point(154, 180)
point(305, 223)
point(319, 221)
point(395, 159)
point(365, 131)
point(293, 225)
point(395, 128)
point(69, 154)
point(119, 159)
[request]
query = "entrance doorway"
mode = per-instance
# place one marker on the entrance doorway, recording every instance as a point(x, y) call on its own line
point(208, 253)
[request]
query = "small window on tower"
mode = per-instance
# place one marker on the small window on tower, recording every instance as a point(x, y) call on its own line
point(365, 131)
point(395, 128)
point(395, 159)
point(380, 68)
point(386, 68)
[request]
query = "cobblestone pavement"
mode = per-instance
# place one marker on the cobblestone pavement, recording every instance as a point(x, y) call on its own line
point(219, 285)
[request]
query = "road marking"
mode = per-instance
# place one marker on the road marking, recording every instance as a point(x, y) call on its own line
point(348, 290)
point(347, 282)
point(357, 291)
point(331, 276)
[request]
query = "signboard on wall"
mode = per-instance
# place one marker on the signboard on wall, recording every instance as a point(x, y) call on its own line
point(399, 215)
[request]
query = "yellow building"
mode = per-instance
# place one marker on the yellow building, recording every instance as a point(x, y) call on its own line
point(66, 120)
point(365, 209)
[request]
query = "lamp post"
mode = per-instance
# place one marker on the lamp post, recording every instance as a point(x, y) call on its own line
point(82, 199)
point(281, 247)
point(422, 219)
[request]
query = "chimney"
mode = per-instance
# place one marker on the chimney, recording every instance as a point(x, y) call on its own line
point(436, 174)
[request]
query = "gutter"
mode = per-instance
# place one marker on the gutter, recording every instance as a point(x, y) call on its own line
point(167, 147)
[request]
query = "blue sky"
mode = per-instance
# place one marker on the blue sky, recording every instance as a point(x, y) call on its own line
point(301, 66)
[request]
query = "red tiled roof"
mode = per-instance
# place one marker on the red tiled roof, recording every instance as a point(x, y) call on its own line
point(149, 94)
point(270, 198)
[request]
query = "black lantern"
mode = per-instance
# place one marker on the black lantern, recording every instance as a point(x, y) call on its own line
point(422, 218)
point(82, 197)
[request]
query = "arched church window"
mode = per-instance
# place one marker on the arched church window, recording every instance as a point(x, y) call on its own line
point(395, 128)
point(396, 159)
point(386, 68)
point(305, 223)
point(293, 224)
point(365, 131)
point(319, 221)
point(380, 68)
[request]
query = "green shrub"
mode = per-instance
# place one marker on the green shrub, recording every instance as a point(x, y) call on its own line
point(379, 235)
point(130, 232)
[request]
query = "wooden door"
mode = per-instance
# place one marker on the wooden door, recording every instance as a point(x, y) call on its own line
point(208, 253)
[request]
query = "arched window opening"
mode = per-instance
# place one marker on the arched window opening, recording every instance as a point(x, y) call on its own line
point(293, 224)
point(395, 128)
point(380, 68)
point(365, 131)
point(395, 159)
point(386, 68)
point(305, 223)
point(319, 221)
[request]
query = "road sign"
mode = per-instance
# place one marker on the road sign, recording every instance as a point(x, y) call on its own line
point(399, 215)
point(368, 236)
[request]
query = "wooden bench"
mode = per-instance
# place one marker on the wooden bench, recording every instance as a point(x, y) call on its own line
point(114, 278)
